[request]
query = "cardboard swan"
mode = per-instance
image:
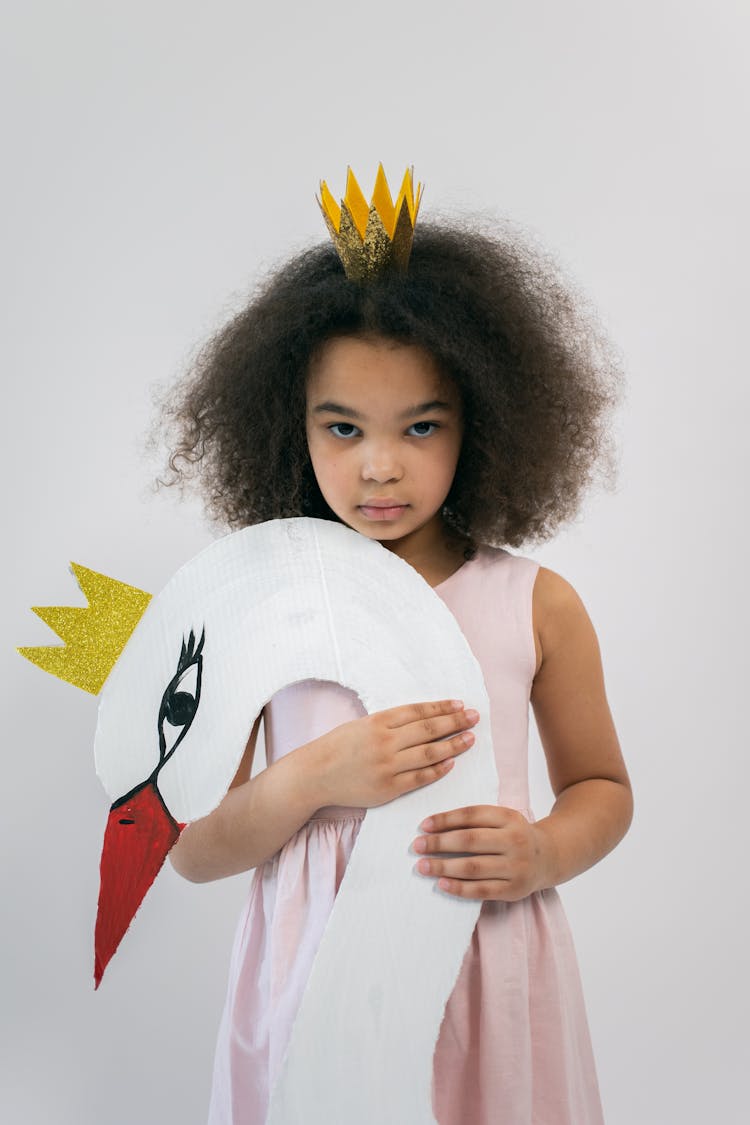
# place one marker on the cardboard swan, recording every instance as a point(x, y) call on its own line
point(271, 605)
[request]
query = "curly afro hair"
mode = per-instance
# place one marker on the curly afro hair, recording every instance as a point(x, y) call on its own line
point(536, 376)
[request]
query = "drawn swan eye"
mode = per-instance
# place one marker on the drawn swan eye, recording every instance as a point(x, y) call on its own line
point(181, 697)
point(180, 705)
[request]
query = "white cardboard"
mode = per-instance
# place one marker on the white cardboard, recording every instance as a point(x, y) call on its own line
point(300, 599)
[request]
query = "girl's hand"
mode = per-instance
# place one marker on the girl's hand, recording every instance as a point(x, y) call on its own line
point(507, 859)
point(369, 761)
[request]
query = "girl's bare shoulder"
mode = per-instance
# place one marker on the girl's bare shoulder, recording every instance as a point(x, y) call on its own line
point(562, 627)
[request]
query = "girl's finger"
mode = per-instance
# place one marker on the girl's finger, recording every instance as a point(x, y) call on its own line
point(422, 712)
point(415, 758)
point(435, 730)
point(466, 867)
point(474, 816)
point(498, 890)
point(481, 841)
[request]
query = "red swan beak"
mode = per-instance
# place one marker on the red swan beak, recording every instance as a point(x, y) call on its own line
point(139, 834)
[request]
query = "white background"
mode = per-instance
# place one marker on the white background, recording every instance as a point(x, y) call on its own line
point(156, 158)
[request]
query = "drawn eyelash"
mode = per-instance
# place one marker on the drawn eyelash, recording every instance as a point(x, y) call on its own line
point(178, 708)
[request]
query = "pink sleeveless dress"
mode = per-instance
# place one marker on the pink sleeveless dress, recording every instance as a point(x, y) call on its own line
point(514, 1046)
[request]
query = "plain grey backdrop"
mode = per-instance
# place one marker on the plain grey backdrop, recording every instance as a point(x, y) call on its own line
point(157, 157)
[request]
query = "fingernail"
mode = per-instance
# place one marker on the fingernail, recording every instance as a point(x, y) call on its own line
point(420, 844)
point(427, 824)
point(472, 714)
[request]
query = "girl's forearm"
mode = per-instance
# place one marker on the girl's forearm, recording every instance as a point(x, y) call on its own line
point(252, 822)
point(586, 822)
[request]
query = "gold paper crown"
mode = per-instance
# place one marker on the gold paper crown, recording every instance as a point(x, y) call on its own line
point(371, 239)
point(94, 634)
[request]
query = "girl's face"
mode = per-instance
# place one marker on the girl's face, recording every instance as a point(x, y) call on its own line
point(384, 432)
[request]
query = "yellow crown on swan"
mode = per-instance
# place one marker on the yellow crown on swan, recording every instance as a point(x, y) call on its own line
point(94, 634)
point(372, 238)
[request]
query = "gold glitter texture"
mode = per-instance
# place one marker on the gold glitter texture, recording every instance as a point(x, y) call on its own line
point(94, 635)
point(374, 237)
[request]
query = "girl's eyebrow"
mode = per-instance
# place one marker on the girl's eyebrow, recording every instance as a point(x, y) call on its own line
point(336, 408)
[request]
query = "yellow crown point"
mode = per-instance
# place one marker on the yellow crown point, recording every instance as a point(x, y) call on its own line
point(356, 203)
point(94, 635)
point(372, 238)
point(382, 201)
point(406, 194)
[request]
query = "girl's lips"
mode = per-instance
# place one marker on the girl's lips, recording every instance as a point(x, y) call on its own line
point(372, 513)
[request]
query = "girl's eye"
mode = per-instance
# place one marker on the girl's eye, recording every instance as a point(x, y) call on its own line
point(432, 426)
point(339, 425)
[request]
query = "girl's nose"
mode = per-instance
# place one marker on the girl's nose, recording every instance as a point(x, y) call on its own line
point(381, 466)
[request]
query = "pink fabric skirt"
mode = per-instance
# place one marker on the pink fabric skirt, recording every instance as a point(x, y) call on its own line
point(513, 1048)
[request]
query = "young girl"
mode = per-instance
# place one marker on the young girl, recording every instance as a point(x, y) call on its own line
point(449, 412)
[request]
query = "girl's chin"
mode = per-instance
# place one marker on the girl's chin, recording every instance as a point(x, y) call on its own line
point(390, 529)
point(380, 529)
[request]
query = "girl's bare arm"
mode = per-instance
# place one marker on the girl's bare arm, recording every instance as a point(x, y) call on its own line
point(239, 834)
point(594, 805)
point(362, 763)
